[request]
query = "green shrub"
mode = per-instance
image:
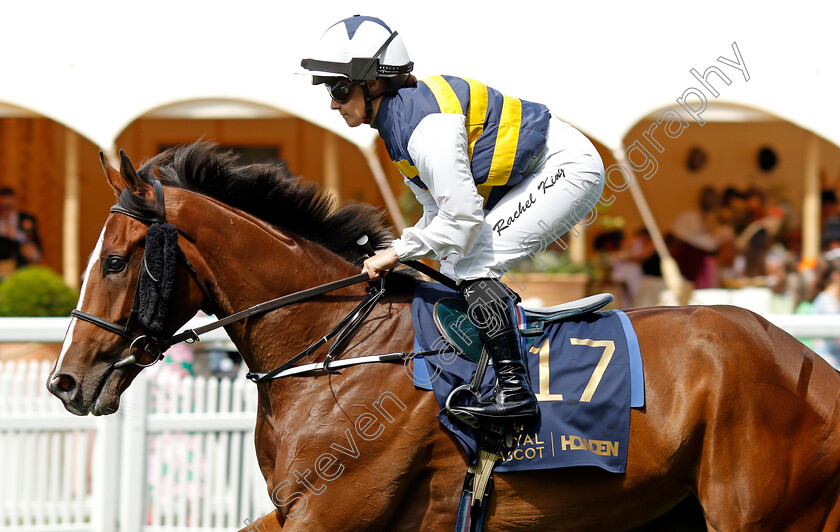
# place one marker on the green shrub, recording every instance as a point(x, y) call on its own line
point(36, 291)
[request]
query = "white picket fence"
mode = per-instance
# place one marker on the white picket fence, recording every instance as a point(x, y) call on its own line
point(178, 456)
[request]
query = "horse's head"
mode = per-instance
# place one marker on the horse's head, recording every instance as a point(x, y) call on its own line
point(124, 317)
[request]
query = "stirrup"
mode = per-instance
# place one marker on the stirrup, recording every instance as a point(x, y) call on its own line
point(464, 417)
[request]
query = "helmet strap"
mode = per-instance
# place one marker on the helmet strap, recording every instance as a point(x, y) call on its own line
point(369, 102)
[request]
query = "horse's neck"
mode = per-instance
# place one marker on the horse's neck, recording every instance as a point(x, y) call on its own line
point(247, 261)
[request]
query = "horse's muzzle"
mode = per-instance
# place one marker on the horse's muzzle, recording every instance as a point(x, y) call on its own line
point(65, 387)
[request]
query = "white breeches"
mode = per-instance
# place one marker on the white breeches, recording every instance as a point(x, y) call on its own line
point(561, 191)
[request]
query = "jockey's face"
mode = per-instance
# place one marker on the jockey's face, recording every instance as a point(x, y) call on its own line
point(353, 110)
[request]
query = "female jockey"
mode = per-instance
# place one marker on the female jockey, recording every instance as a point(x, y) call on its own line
point(498, 177)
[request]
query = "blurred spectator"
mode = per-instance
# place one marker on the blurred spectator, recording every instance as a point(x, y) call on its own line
point(20, 244)
point(620, 271)
point(755, 204)
point(756, 240)
point(829, 205)
point(778, 265)
point(830, 216)
point(733, 210)
point(651, 284)
point(828, 302)
point(635, 265)
point(625, 273)
point(698, 236)
point(609, 242)
point(796, 286)
point(732, 217)
point(831, 236)
point(224, 363)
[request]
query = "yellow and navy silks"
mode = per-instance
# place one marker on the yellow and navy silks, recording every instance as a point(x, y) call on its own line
point(504, 134)
point(586, 372)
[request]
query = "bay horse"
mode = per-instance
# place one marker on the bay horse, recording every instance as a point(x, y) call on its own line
point(740, 417)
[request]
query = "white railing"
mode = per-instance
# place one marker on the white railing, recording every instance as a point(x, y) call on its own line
point(44, 456)
point(51, 330)
point(179, 455)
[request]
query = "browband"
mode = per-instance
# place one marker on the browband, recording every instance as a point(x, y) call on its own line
point(136, 207)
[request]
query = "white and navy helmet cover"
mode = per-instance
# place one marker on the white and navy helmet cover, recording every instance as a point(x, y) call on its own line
point(358, 48)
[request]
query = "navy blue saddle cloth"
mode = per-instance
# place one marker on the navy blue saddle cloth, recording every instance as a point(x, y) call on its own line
point(586, 371)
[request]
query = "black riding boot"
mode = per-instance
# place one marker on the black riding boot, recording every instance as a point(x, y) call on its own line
point(491, 309)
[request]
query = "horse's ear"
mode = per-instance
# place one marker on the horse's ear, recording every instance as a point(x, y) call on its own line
point(113, 175)
point(129, 175)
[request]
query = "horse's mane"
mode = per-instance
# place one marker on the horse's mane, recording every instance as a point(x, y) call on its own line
point(269, 192)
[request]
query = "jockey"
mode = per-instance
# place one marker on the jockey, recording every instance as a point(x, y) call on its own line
point(499, 178)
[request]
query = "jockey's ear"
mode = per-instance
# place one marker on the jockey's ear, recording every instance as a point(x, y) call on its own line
point(113, 175)
point(130, 177)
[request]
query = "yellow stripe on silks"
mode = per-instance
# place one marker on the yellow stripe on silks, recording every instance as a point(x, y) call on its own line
point(446, 97)
point(506, 141)
point(406, 168)
point(476, 113)
point(484, 191)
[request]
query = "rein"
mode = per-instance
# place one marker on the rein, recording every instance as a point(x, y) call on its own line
point(192, 335)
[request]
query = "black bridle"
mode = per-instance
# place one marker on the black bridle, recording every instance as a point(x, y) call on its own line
point(129, 205)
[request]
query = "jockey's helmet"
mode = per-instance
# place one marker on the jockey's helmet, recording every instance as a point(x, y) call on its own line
point(358, 48)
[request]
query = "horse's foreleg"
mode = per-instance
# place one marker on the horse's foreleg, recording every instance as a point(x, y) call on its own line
point(264, 438)
point(266, 523)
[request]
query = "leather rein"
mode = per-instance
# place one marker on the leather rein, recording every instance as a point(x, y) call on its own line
point(156, 347)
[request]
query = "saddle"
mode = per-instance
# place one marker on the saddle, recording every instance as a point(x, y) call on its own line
point(454, 325)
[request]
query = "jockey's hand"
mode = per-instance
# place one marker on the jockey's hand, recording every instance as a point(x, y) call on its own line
point(381, 262)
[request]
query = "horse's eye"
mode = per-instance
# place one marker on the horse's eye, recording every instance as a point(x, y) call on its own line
point(114, 264)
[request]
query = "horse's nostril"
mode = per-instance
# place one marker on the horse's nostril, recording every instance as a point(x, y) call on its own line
point(66, 383)
point(63, 385)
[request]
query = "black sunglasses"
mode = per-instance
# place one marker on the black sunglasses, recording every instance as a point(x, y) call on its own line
point(340, 90)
